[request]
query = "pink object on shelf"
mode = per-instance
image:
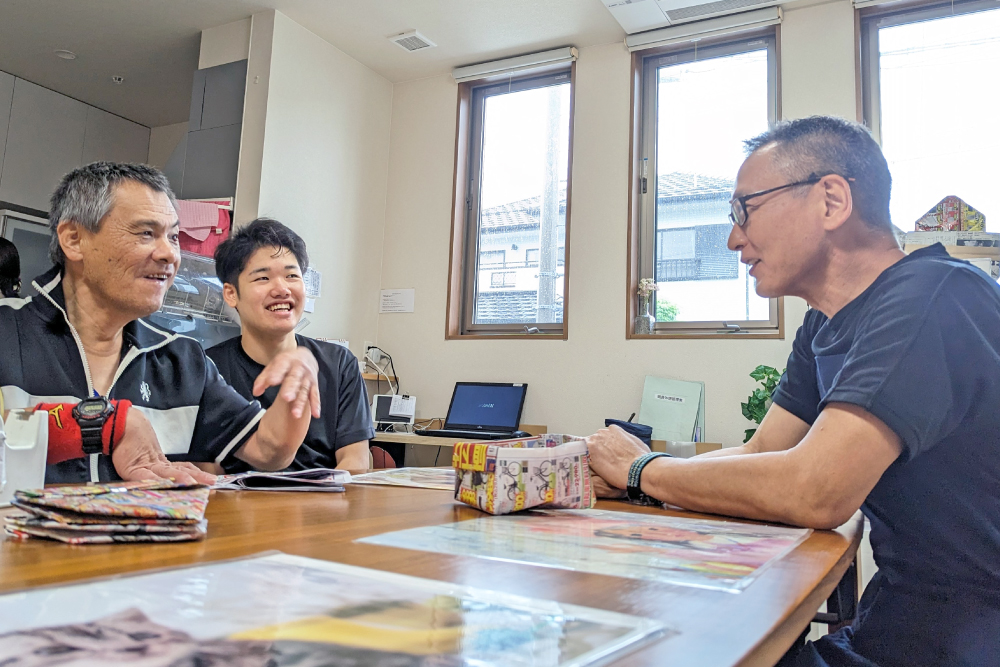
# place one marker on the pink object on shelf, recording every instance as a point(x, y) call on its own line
point(197, 218)
point(208, 226)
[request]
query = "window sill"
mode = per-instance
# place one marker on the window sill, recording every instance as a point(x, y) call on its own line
point(766, 334)
point(508, 336)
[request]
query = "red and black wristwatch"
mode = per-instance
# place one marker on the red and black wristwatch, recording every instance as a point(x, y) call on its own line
point(92, 426)
point(91, 414)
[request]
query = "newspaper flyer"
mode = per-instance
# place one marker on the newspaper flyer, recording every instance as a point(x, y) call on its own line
point(550, 470)
point(422, 478)
point(703, 553)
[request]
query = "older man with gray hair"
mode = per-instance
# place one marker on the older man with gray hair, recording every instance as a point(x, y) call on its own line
point(81, 343)
point(889, 404)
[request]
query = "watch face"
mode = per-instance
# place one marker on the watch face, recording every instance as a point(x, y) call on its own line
point(91, 409)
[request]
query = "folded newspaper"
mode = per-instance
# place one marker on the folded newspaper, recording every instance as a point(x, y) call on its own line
point(550, 471)
point(146, 511)
point(313, 479)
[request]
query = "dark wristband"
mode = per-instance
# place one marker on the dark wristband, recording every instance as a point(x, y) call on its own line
point(633, 490)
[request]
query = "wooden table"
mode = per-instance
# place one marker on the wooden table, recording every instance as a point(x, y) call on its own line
point(754, 627)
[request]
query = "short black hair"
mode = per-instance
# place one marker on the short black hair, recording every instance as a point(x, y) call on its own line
point(10, 269)
point(232, 255)
point(823, 145)
point(86, 195)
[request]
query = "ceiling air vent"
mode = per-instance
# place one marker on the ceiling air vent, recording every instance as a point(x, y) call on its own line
point(411, 40)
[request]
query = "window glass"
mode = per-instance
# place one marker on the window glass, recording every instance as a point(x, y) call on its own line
point(939, 92)
point(519, 201)
point(705, 109)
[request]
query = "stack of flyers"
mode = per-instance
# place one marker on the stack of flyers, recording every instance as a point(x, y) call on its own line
point(147, 511)
point(551, 471)
point(313, 479)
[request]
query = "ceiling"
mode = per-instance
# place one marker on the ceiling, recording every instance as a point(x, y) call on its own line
point(154, 44)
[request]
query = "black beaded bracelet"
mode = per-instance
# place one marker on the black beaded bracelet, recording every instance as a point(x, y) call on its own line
point(633, 490)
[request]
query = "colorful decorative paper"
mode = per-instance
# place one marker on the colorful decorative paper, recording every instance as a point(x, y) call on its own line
point(951, 214)
point(159, 499)
point(288, 610)
point(106, 535)
point(500, 477)
point(721, 555)
point(148, 511)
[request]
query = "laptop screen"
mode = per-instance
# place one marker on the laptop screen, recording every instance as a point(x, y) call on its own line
point(486, 406)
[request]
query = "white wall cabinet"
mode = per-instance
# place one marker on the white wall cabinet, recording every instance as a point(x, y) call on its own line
point(6, 95)
point(49, 134)
point(110, 137)
point(44, 141)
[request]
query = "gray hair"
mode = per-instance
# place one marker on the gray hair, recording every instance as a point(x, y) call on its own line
point(821, 145)
point(87, 194)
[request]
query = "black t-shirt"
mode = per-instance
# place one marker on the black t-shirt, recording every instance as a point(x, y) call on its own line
point(345, 415)
point(920, 350)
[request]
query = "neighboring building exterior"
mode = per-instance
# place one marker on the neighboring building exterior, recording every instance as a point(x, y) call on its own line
point(691, 234)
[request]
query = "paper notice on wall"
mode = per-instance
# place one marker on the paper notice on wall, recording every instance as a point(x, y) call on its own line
point(313, 280)
point(310, 305)
point(396, 301)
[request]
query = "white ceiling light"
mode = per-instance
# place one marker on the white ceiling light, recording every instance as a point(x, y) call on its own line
point(411, 40)
point(65, 55)
point(530, 62)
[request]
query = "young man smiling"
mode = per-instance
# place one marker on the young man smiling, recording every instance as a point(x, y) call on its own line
point(261, 268)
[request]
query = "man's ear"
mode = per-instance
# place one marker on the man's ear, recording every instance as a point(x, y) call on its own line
point(230, 294)
point(838, 201)
point(70, 239)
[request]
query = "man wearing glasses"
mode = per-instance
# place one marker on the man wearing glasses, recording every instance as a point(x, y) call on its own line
point(889, 404)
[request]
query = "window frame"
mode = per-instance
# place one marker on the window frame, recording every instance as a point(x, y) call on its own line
point(464, 250)
point(642, 206)
point(870, 20)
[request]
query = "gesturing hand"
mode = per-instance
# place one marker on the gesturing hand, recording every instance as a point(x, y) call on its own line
point(298, 374)
point(138, 456)
point(612, 451)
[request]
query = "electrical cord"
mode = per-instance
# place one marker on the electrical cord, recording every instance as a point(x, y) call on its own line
point(381, 371)
point(389, 365)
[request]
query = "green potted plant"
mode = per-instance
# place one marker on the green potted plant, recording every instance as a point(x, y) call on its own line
point(759, 400)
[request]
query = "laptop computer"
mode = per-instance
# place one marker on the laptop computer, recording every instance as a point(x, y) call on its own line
point(483, 411)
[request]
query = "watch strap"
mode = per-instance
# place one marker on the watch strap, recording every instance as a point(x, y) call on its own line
point(633, 489)
point(91, 438)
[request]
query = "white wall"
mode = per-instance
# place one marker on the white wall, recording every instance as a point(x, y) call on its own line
point(162, 142)
point(323, 171)
point(224, 44)
point(575, 384)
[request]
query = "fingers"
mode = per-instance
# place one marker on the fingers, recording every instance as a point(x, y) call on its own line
point(274, 373)
point(314, 402)
point(603, 489)
point(137, 474)
point(173, 472)
point(197, 473)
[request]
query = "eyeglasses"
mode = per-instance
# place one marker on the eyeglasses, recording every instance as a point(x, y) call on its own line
point(738, 215)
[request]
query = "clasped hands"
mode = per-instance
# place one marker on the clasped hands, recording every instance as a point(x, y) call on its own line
point(612, 452)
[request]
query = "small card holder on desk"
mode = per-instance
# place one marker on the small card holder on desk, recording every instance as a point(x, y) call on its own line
point(24, 447)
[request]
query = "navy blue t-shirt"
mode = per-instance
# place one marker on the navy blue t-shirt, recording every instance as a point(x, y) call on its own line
point(920, 350)
point(345, 415)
